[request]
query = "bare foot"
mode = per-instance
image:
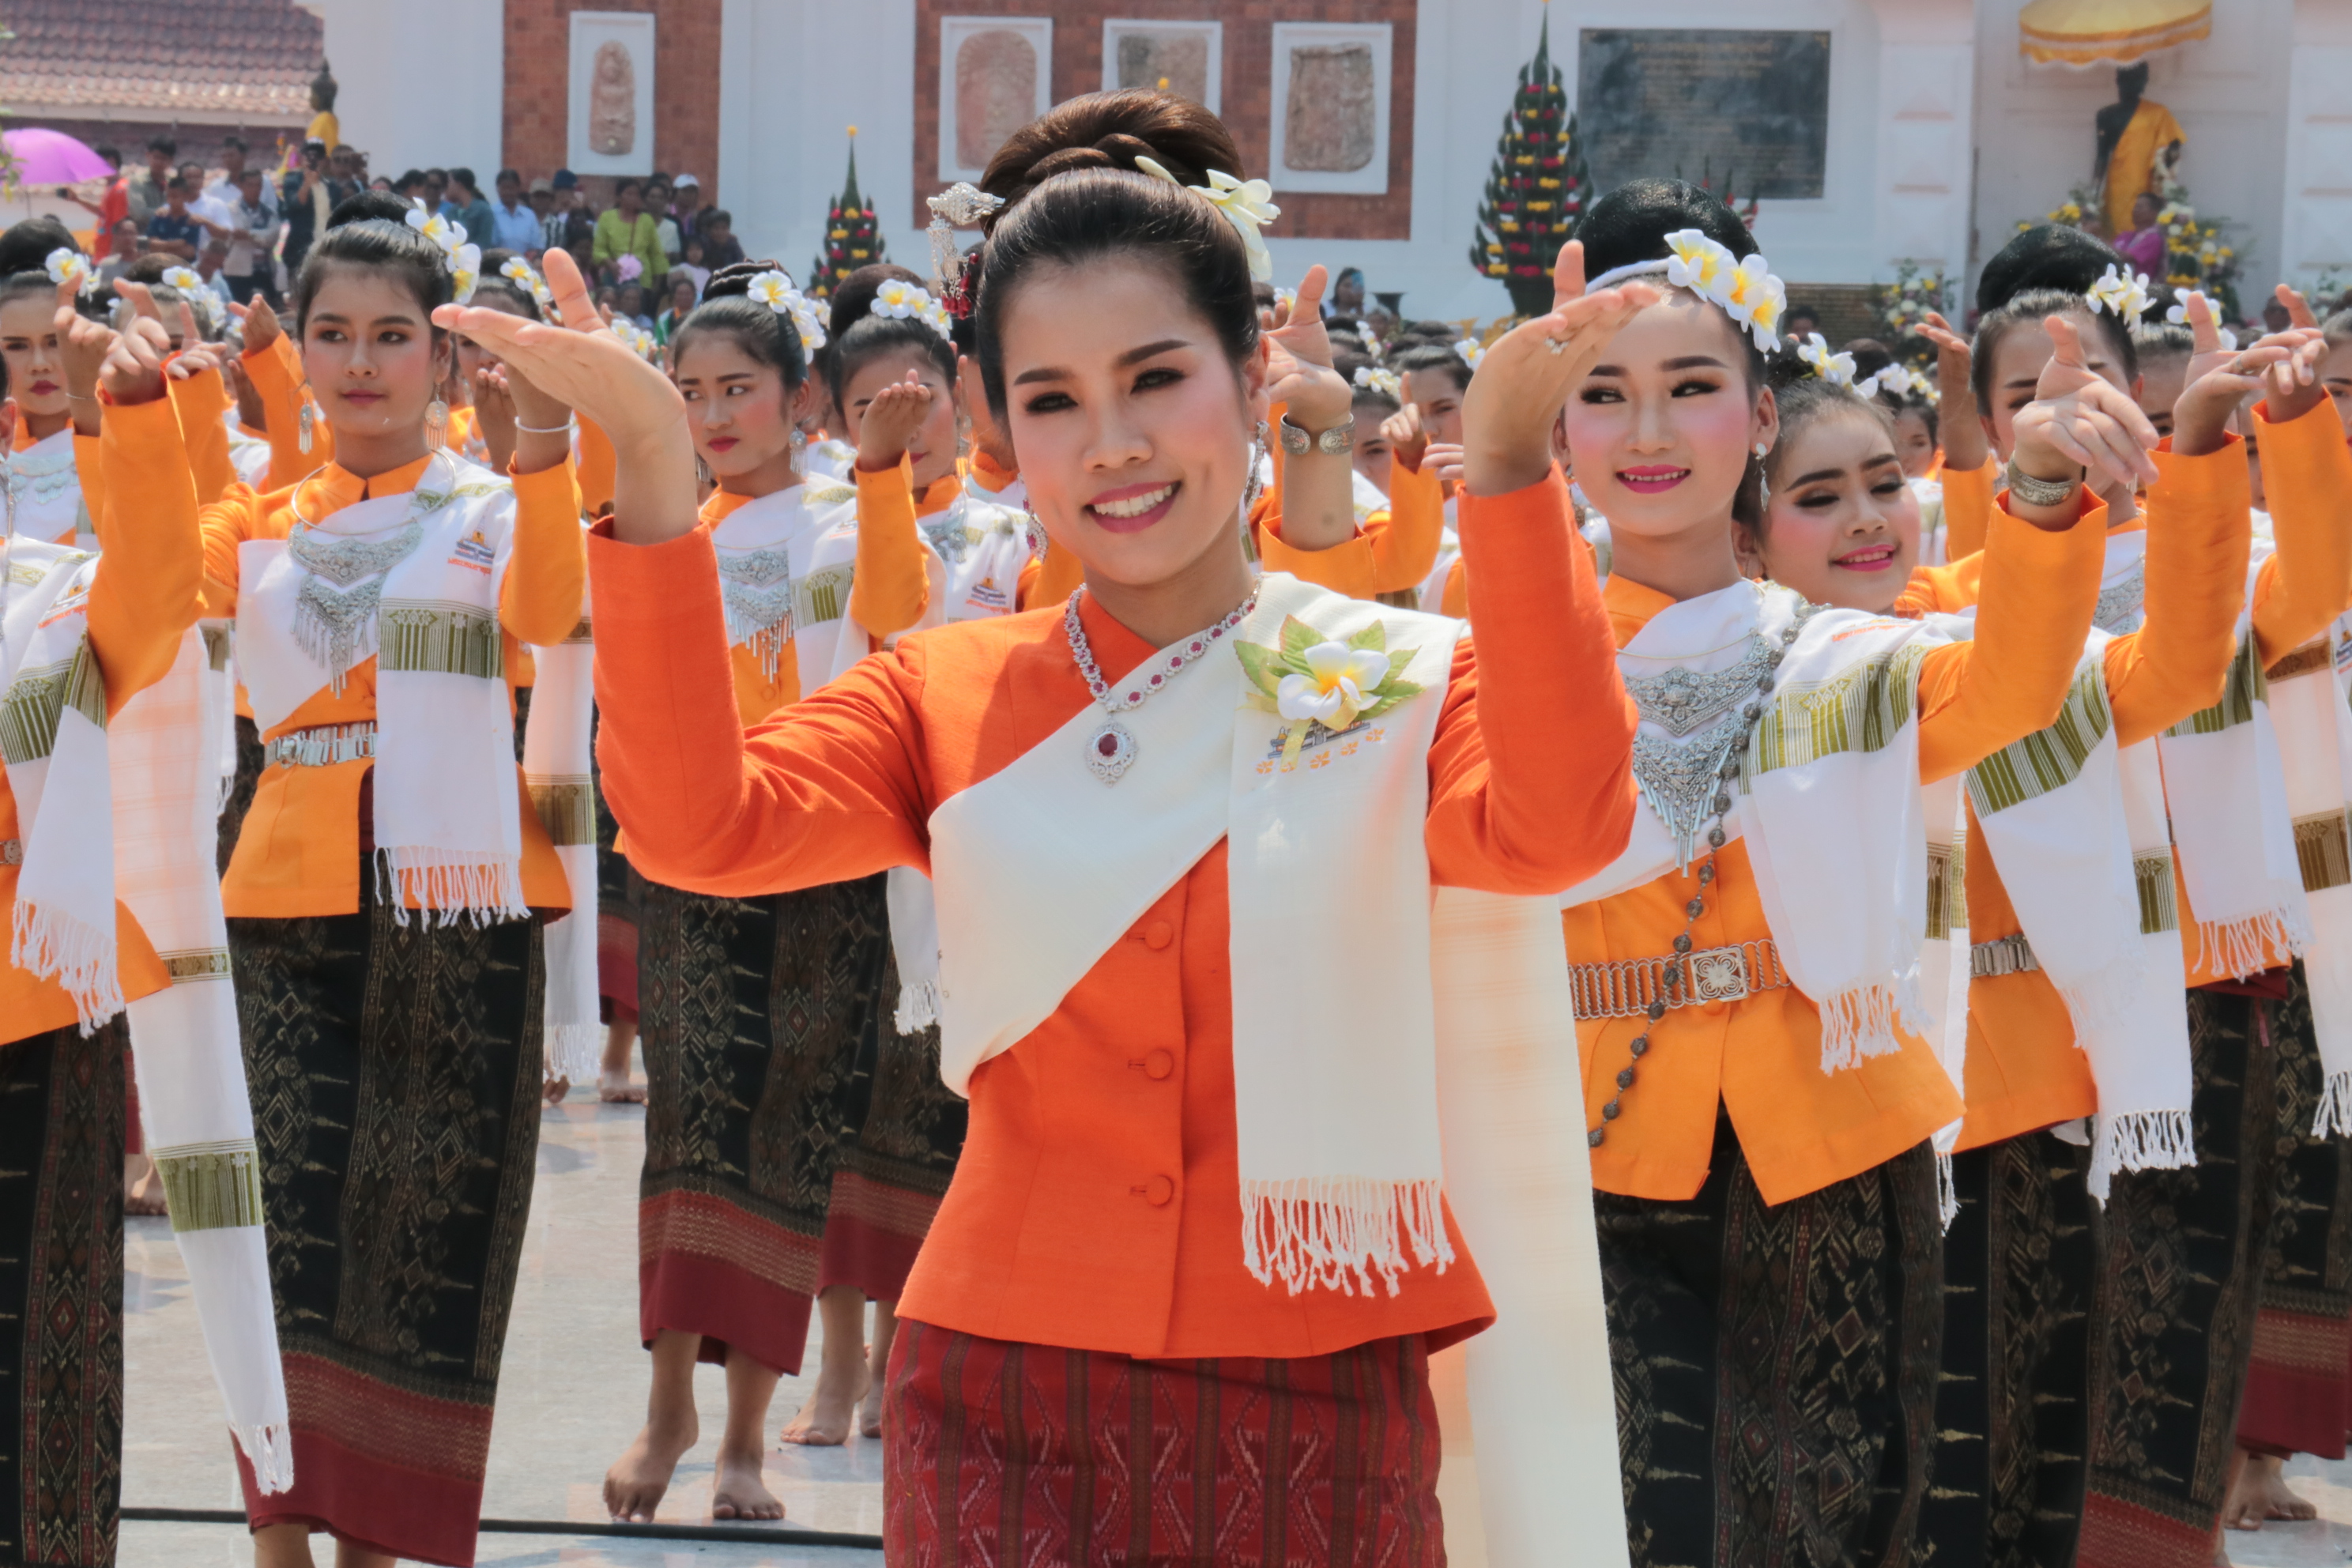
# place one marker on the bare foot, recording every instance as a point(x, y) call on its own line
point(614, 1089)
point(142, 1189)
point(823, 1422)
point(2265, 1484)
point(2242, 1505)
point(869, 1410)
point(739, 1491)
point(634, 1485)
point(557, 1087)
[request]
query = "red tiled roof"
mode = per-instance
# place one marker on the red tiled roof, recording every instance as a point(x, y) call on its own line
point(249, 59)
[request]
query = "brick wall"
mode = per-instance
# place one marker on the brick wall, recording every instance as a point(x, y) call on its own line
point(1246, 91)
point(685, 89)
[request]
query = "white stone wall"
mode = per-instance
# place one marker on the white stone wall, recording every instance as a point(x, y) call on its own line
point(422, 81)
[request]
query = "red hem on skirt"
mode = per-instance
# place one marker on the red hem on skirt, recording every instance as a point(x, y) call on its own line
point(859, 1253)
point(616, 965)
point(2116, 1535)
point(730, 1307)
point(2292, 1412)
point(399, 1506)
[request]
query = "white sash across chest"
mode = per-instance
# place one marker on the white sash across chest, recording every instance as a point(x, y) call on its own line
point(44, 491)
point(789, 560)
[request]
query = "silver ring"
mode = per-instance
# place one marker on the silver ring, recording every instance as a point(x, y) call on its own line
point(1555, 345)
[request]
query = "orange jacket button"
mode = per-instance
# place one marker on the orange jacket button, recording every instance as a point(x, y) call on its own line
point(1158, 1065)
point(1159, 935)
point(1158, 1194)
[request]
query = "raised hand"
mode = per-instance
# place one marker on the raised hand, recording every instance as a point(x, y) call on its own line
point(494, 414)
point(134, 371)
point(1298, 368)
point(2220, 380)
point(83, 345)
point(261, 324)
point(1406, 439)
point(2079, 423)
point(1962, 437)
point(891, 423)
point(1525, 379)
point(2292, 387)
point(1446, 458)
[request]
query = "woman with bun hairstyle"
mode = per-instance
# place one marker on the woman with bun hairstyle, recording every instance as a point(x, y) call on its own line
point(1206, 1207)
point(1759, 1091)
point(1841, 527)
point(755, 1012)
point(386, 893)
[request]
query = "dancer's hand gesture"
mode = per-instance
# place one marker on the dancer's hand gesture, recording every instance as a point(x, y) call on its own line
point(1525, 379)
point(2220, 380)
point(2079, 425)
point(1961, 435)
point(1298, 368)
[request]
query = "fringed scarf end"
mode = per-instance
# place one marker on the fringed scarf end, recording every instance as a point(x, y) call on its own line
point(2334, 1119)
point(270, 1449)
point(2253, 943)
point(50, 944)
point(575, 1051)
point(1858, 1025)
point(1948, 1193)
point(453, 885)
point(1336, 1232)
point(2139, 1141)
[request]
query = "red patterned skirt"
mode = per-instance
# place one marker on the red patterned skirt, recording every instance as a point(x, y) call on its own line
point(998, 1455)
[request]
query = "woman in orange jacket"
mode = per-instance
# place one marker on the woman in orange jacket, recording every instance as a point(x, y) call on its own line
point(1144, 1244)
point(387, 890)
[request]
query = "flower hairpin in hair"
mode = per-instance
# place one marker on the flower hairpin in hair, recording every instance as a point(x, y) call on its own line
point(184, 279)
point(2123, 291)
point(1471, 351)
point(1835, 368)
point(961, 205)
point(1744, 286)
point(1248, 206)
point(465, 271)
point(2179, 317)
point(906, 302)
point(1897, 379)
point(447, 235)
point(65, 263)
point(1697, 263)
point(774, 289)
point(522, 272)
point(1379, 378)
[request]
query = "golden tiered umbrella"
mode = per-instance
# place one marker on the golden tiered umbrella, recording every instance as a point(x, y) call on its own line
point(2111, 32)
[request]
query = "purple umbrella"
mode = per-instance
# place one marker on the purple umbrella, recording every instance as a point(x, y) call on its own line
point(46, 157)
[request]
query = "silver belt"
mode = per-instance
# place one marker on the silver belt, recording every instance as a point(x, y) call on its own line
point(11, 851)
point(2009, 955)
point(1629, 987)
point(322, 746)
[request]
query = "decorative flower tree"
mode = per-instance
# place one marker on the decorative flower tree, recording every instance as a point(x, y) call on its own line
point(1535, 198)
point(853, 235)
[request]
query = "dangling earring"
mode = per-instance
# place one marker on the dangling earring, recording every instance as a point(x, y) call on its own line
point(701, 470)
point(1763, 484)
point(306, 421)
point(800, 440)
point(1256, 485)
point(436, 422)
point(1032, 532)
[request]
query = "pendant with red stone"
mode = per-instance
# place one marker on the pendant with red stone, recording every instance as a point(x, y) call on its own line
point(1110, 751)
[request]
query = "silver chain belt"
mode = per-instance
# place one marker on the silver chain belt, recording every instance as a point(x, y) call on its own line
point(1629, 987)
point(322, 746)
point(2009, 955)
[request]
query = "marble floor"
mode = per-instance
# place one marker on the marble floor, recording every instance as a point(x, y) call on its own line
point(572, 1395)
point(2326, 1543)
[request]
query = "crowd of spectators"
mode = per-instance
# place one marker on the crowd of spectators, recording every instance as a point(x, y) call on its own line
point(242, 229)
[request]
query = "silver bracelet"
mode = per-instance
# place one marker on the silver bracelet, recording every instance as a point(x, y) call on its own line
point(523, 429)
point(1298, 440)
point(2035, 491)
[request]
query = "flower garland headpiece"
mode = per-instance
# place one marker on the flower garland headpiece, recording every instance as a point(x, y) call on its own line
point(774, 289)
point(2179, 317)
point(641, 341)
point(1248, 206)
point(65, 262)
point(463, 259)
point(1471, 351)
point(1834, 368)
point(1901, 380)
point(2125, 292)
point(1745, 288)
point(1380, 379)
point(906, 302)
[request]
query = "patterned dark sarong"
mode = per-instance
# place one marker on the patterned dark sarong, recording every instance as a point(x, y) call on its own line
point(61, 1297)
point(2012, 1423)
point(241, 787)
point(756, 1014)
point(2173, 1309)
point(619, 893)
point(909, 1130)
point(395, 1074)
point(1006, 1454)
point(2300, 1380)
point(1776, 1366)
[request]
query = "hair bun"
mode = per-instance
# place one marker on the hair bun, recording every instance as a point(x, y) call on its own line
point(2047, 255)
point(735, 279)
point(1630, 224)
point(364, 206)
point(1111, 130)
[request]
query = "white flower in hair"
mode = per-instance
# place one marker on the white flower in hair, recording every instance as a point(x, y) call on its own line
point(1698, 263)
point(1837, 368)
point(184, 279)
point(774, 289)
point(437, 229)
point(522, 272)
point(1377, 378)
point(1248, 206)
point(465, 271)
point(900, 300)
point(2179, 317)
point(2124, 292)
point(1757, 300)
point(1471, 349)
point(67, 264)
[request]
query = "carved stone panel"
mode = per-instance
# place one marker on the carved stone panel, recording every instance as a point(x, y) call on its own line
point(613, 101)
point(1333, 118)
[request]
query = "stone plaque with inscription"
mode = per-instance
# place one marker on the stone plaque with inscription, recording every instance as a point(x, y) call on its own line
point(1170, 62)
point(996, 92)
point(1663, 101)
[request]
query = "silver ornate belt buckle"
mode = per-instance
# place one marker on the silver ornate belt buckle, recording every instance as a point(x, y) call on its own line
point(1720, 974)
